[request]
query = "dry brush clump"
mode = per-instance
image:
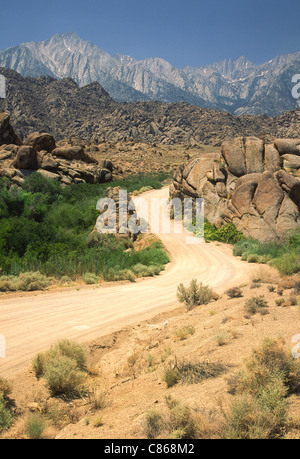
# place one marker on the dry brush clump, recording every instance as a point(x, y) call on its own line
point(195, 295)
point(260, 408)
point(179, 422)
point(63, 367)
point(27, 282)
point(192, 373)
point(255, 305)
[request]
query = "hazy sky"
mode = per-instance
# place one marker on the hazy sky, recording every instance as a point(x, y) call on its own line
point(184, 32)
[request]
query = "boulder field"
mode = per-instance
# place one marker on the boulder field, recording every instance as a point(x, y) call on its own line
point(66, 162)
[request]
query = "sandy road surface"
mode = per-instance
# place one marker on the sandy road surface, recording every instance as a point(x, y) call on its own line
point(31, 323)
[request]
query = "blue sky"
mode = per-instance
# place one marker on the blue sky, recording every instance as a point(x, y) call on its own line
point(184, 32)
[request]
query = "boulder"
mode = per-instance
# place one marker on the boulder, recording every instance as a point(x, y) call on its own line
point(26, 158)
point(288, 146)
point(41, 141)
point(244, 155)
point(73, 153)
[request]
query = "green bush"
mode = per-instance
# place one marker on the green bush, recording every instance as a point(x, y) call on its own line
point(49, 229)
point(34, 426)
point(6, 417)
point(283, 255)
point(257, 418)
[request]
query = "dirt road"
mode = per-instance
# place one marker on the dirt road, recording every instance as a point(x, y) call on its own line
point(32, 322)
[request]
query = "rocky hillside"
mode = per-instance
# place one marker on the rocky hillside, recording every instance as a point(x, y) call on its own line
point(63, 108)
point(236, 86)
point(254, 185)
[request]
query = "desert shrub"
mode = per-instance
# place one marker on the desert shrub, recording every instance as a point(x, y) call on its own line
point(72, 350)
point(63, 377)
point(253, 258)
point(5, 388)
point(97, 398)
point(288, 263)
point(33, 281)
point(171, 375)
point(38, 365)
point(126, 274)
point(90, 278)
point(194, 295)
point(152, 424)
point(257, 418)
point(34, 426)
point(98, 421)
point(221, 339)
point(6, 417)
point(260, 410)
point(183, 333)
point(255, 305)
point(182, 423)
point(235, 292)
point(27, 282)
point(62, 367)
point(268, 363)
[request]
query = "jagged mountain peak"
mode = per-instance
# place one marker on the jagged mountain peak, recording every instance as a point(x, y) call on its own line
point(235, 85)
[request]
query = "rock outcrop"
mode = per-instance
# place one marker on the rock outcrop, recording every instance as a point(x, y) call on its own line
point(254, 185)
point(66, 163)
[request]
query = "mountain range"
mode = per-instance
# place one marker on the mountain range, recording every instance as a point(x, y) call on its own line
point(239, 87)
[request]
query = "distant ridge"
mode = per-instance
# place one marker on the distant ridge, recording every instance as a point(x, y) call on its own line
point(64, 109)
point(239, 87)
